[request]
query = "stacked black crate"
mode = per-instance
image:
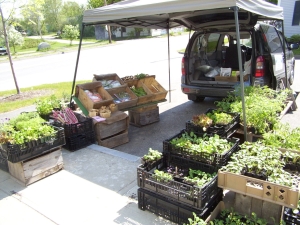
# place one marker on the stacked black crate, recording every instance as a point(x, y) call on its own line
point(178, 199)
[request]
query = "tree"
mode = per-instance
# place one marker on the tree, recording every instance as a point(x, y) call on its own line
point(14, 37)
point(70, 32)
point(33, 12)
point(52, 14)
point(72, 13)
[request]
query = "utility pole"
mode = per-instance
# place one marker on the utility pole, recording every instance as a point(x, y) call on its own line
point(108, 27)
point(8, 52)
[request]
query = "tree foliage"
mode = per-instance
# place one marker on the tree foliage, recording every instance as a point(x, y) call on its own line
point(71, 13)
point(52, 14)
point(14, 37)
point(70, 32)
point(33, 15)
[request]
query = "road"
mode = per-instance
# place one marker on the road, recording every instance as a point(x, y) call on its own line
point(127, 58)
point(124, 58)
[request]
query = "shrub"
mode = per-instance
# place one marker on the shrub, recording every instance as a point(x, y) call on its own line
point(295, 38)
point(30, 43)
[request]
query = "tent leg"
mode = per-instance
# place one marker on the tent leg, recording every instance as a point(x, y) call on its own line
point(168, 29)
point(236, 17)
point(77, 60)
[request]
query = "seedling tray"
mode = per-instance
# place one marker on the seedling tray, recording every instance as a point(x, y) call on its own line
point(220, 129)
point(264, 190)
point(290, 218)
point(174, 211)
point(213, 159)
point(17, 153)
point(184, 193)
point(80, 141)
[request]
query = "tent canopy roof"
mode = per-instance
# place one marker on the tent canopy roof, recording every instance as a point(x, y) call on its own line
point(172, 13)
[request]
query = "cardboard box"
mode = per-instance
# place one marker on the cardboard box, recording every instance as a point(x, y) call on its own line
point(96, 87)
point(231, 78)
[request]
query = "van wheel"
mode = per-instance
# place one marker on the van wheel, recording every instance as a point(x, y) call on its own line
point(199, 99)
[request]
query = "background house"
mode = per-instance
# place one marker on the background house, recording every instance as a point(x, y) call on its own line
point(291, 13)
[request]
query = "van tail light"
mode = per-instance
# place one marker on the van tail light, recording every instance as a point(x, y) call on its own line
point(182, 66)
point(260, 67)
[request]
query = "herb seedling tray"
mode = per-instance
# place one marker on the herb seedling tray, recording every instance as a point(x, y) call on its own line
point(213, 159)
point(290, 218)
point(184, 193)
point(174, 211)
point(264, 190)
point(17, 153)
point(219, 129)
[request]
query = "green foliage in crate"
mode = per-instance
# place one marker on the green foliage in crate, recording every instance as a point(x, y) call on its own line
point(24, 128)
point(152, 156)
point(262, 106)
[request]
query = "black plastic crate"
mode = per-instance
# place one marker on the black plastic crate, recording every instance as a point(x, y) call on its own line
point(290, 218)
point(212, 159)
point(179, 191)
point(219, 129)
point(17, 153)
point(80, 141)
point(84, 125)
point(174, 211)
point(3, 161)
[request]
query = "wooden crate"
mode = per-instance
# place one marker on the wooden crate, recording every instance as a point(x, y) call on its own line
point(37, 168)
point(114, 140)
point(159, 93)
point(144, 118)
point(126, 104)
point(115, 124)
point(143, 99)
point(108, 77)
point(95, 87)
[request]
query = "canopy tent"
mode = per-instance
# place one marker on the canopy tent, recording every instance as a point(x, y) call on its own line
point(166, 14)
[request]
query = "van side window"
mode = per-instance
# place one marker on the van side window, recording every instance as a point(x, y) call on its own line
point(273, 39)
point(212, 42)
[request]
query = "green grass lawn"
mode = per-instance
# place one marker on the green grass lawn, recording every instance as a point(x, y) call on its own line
point(60, 90)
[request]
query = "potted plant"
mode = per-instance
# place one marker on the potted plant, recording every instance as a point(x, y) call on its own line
point(45, 106)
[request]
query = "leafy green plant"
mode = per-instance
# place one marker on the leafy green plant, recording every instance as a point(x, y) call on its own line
point(283, 136)
point(140, 76)
point(259, 159)
point(162, 176)
point(25, 128)
point(152, 155)
point(195, 145)
point(202, 120)
point(46, 105)
point(198, 177)
point(138, 91)
point(262, 106)
point(195, 221)
point(221, 118)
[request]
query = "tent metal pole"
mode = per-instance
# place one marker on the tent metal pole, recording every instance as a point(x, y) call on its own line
point(236, 18)
point(168, 24)
point(78, 54)
point(284, 55)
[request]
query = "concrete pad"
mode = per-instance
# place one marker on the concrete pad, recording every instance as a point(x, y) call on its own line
point(15, 212)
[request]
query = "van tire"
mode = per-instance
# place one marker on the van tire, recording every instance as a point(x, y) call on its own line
point(198, 99)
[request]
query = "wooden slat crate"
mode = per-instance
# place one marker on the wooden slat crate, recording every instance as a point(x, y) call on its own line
point(144, 117)
point(115, 140)
point(32, 170)
point(116, 123)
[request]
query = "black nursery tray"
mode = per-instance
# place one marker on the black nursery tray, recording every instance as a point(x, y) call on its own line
point(185, 193)
point(223, 130)
point(174, 211)
point(17, 153)
point(290, 218)
point(213, 159)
